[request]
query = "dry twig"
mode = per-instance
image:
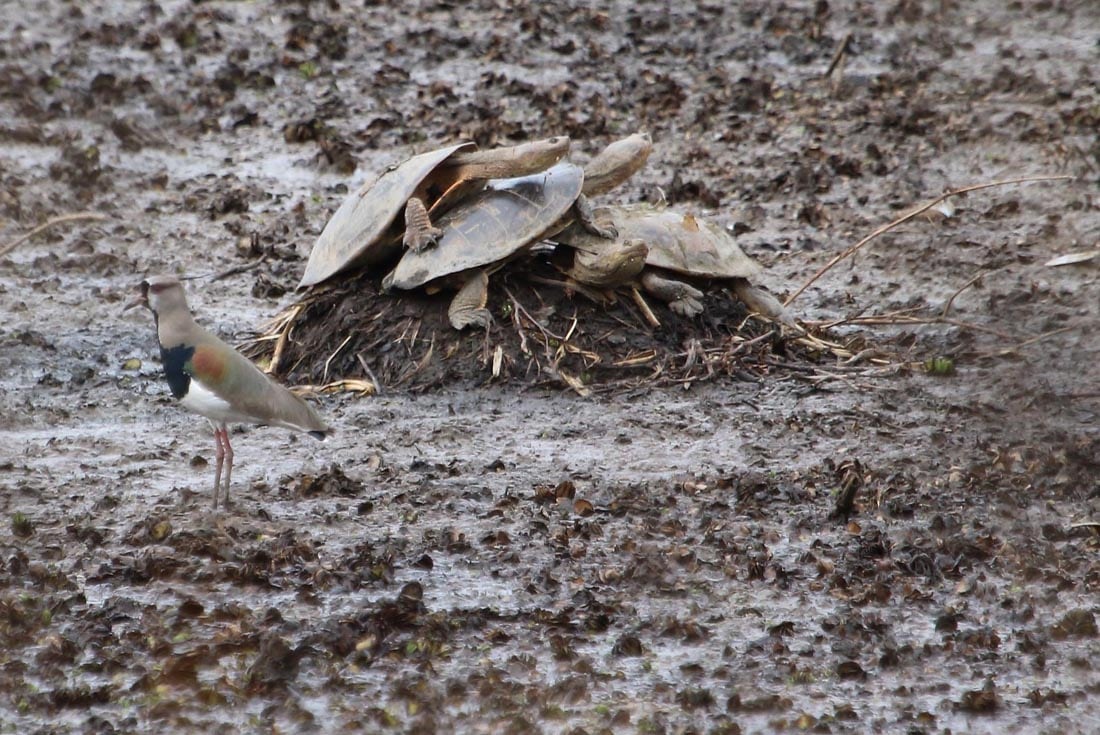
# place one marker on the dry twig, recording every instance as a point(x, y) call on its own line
point(369, 372)
point(838, 54)
point(968, 284)
point(324, 373)
point(647, 312)
point(910, 215)
point(421, 364)
point(521, 310)
point(1004, 352)
point(284, 335)
point(239, 269)
point(5, 249)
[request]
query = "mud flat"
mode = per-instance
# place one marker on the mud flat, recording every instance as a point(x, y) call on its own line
point(507, 556)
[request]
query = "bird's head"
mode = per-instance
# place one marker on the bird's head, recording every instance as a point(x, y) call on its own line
point(159, 294)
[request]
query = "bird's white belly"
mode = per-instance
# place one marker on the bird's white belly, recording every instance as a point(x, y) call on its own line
point(206, 403)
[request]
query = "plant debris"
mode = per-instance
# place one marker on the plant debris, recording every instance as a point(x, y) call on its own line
point(544, 333)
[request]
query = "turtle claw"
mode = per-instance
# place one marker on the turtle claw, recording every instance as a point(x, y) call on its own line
point(420, 233)
point(610, 232)
point(682, 298)
point(688, 306)
point(688, 301)
point(467, 308)
point(420, 240)
point(471, 318)
point(586, 217)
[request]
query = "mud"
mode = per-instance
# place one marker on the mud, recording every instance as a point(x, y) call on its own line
point(509, 557)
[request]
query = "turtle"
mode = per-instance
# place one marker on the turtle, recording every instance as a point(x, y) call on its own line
point(490, 227)
point(677, 245)
point(364, 231)
point(506, 218)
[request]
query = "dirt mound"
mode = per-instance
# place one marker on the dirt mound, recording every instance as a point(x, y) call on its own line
point(544, 332)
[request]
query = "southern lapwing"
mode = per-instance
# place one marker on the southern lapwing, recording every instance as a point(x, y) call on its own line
point(212, 379)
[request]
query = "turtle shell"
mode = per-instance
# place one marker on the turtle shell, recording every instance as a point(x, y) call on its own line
point(678, 242)
point(497, 222)
point(357, 232)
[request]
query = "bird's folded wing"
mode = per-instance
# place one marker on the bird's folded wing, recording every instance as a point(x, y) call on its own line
point(234, 378)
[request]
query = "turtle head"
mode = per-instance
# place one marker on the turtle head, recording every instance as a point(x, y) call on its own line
point(616, 163)
point(611, 265)
point(540, 155)
point(630, 257)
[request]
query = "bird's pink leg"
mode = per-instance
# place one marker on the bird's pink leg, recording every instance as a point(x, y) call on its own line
point(220, 458)
point(228, 465)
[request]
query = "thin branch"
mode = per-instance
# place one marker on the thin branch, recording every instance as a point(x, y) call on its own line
point(284, 336)
point(240, 269)
point(1026, 343)
point(5, 249)
point(640, 302)
point(370, 373)
point(977, 277)
point(910, 215)
point(903, 320)
point(519, 308)
point(421, 364)
point(861, 315)
point(838, 54)
point(324, 373)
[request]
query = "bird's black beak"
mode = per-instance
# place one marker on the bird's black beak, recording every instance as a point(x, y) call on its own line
point(141, 298)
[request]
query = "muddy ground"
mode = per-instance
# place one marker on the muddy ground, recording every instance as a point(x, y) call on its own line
point(506, 556)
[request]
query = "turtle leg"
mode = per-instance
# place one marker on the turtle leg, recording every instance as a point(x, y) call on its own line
point(420, 233)
point(760, 301)
point(468, 306)
point(582, 211)
point(683, 298)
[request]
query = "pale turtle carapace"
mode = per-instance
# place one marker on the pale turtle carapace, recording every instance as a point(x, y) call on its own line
point(367, 229)
point(679, 249)
point(507, 218)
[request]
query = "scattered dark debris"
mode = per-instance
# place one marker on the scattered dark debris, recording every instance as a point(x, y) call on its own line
point(1078, 623)
point(331, 482)
point(266, 288)
point(169, 619)
point(275, 666)
point(79, 165)
point(980, 701)
point(21, 525)
point(757, 702)
point(232, 201)
point(849, 478)
point(628, 645)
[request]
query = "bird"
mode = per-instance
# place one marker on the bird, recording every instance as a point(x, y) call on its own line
point(210, 378)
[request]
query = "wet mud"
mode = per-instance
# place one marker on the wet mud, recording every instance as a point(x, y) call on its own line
point(903, 542)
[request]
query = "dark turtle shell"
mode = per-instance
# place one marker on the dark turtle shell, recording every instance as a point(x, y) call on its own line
point(492, 225)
